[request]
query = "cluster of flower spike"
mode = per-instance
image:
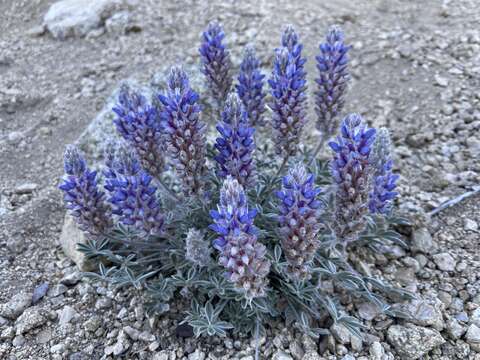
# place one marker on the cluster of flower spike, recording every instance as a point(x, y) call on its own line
point(82, 197)
point(332, 82)
point(138, 123)
point(250, 87)
point(240, 253)
point(351, 173)
point(384, 181)
point(132, 195)
point(298, 218)
point(216, 63)
point(235, 144)
point(288, 86)
point(184, 131)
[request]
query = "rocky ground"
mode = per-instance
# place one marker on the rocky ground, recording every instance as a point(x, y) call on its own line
point(416, 69)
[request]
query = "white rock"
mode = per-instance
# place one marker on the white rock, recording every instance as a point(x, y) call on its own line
point(473, 337)
point(66, 315)
point(412, 342)
point(68, 18)
point(69, 239)
point(30, 319)
point(444, 261)
point(376, 351)
point(422, 241)
point(17, 304)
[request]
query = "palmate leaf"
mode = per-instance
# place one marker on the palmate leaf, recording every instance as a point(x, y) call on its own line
point(205, 319)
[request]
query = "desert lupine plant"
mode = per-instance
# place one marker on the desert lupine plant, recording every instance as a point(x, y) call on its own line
point(132, 195)
point(184, 131)
point(299, 220)
point(241, 254)
point(250, 87)
point(139, 124)
point(216, 63)
point(83, 199)
point(384, 180)
point(235, 145)
point(351, 173)
point(272, 241)
point(288, 90)
point(332, 81)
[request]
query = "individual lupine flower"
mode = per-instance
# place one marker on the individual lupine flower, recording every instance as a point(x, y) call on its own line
point(240, 253)
point(332, 81)
point(298, 219)
point(288, 85)
point(250, 87)
point(83, 199)
point(351, 173)
point(184, 131)
point(132, 195)
point(197, 249)
point(138, 123)
point(235, 144)
point(384, 181)
point(216, 63)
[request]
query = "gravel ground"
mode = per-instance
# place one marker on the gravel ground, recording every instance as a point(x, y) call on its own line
point(416, 69)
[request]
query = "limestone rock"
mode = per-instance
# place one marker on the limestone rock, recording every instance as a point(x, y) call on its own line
point(76, 18)
point(69, 239)
point(412, 342)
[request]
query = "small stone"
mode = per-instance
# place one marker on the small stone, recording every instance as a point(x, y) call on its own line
point(312, 355)
point(39, 292)
point(162, 355)
point(103, 303)
point(146, 336)
point(71, 278)
point(427, 313)
point(92, 324)
point(57, 348)
point(475, 317)
point(470, 225)
point(8, 333)
point(122, 344)
point(296, 350)
point(16, 305)
point(184, 330)
point(412, 342)
point(67, 314)
point(376, 351)
point(131, 332)
point(197, 355)
point(30, 319)
point(57, 290)
point(26, 188)
point(281, 355)
point(18, 341)
point(341, 333)
point(473, 337)
point(441, 81)
point(422, 241)
point(454, 329)
point(444, 261)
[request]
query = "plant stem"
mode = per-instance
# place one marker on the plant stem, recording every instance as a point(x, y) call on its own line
point(317, 149)
point(167, 190)
point(257, 342)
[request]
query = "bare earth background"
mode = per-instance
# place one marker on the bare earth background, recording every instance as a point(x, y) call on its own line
point(416, 70)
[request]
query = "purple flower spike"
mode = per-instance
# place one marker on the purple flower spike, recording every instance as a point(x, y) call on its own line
point(288, 89)
point(384, 181)
point(332, 81)
point(216, 63)
point(351, 170)
point(235, 144)
point(184, 132)
point(250, 87)
point(132, 195)
point(240, 253)
point(82, 197)
point(298, 219)
point(139, 125)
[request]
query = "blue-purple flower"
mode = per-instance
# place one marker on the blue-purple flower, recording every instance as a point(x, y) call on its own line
point(298, 220)
point(235, 144)
point(288, 89)
point(250, 87)
point(184, 131)
point(351, 173)
point(384, 180)
point(139, 124)
point(83, 199)
point(216, 63)
point(132, 195)
point(332, 81)
point(241, 254)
